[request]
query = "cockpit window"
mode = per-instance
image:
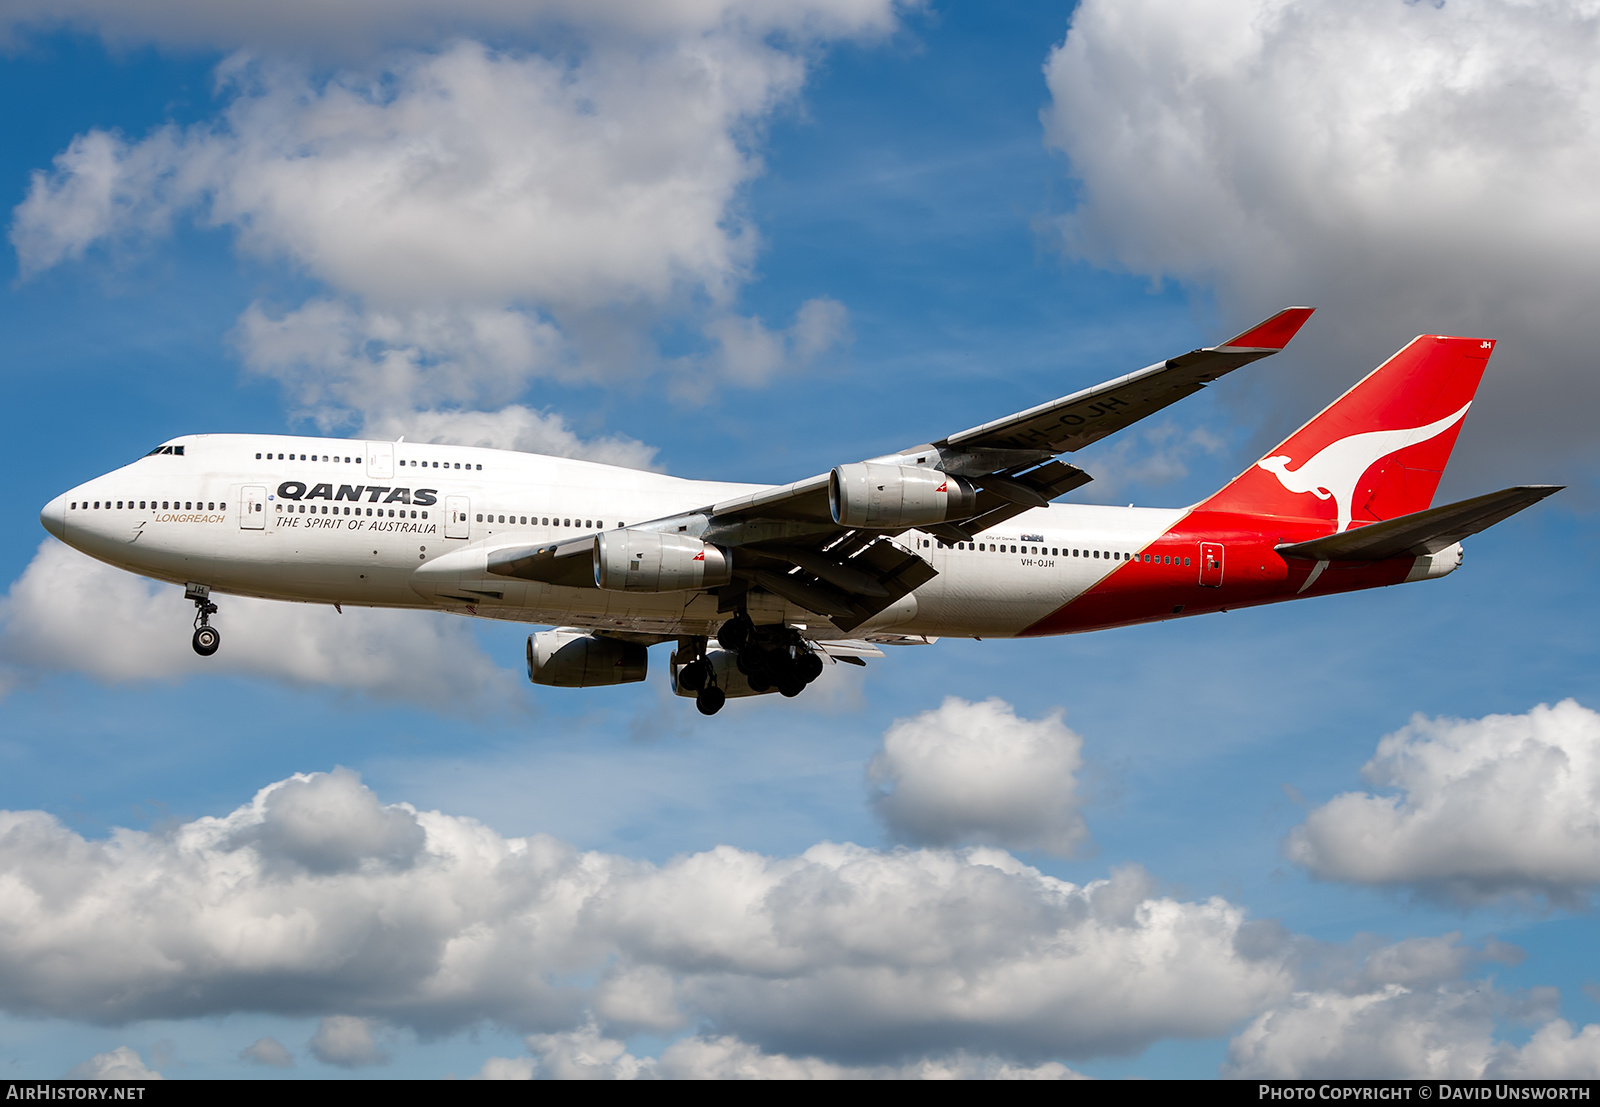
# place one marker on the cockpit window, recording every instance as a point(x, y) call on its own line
point(178, 450)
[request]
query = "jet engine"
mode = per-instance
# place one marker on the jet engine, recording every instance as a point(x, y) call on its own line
point(571, 658)
point(645, 561)
point(888, 497)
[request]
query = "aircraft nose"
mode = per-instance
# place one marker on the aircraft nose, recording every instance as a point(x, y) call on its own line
point(54, 517)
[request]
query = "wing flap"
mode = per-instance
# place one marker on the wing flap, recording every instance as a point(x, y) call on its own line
point(1422, 532)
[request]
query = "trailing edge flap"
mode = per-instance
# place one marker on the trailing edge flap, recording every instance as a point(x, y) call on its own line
point(1423, 532)
point(899, 571)
point(894, 570)
point(841, 648)
point(569, 563)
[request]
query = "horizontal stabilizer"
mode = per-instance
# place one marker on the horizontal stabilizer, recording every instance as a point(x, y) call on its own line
point(1424, 532)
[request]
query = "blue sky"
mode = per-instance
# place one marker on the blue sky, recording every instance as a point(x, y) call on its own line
point(984, 213)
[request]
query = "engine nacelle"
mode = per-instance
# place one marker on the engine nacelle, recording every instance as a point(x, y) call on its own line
point(888, 497)
point(647, 561)
point(570, 658)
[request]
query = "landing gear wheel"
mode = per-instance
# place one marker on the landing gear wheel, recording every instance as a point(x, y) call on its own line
point(791, 686)
point(735, 633)
point(694, 676)
point(758, 682)
point(710, 700)
point(809, 667)
point(206, 639)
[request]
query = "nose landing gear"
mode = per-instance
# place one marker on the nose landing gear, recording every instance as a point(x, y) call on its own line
point(206, 637)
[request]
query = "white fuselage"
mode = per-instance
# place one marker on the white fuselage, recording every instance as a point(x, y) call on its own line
point(384, 524)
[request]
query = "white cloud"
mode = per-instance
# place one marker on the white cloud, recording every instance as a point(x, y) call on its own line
point(1407, 166)
point(122, 1063)
point(351, 26)
point(1395, 1033)
point(268, 1051)
point(1405, 1011)
point(480, 219)
point(1148, 455)
point(313, 898)
point(727, 1058)
point(751, 354)
point(975, 772)
point(1503, 805)
point(69, 613)
point(346, 1042)
point(587, 1054)
point(512, 428)
point(1553, 1053)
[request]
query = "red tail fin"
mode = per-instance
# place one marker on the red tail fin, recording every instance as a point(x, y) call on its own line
point(1376, 452)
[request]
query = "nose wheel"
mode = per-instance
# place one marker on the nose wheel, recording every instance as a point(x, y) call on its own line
point(206, 637)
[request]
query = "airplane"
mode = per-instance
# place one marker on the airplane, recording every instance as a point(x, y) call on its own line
point(761, 587)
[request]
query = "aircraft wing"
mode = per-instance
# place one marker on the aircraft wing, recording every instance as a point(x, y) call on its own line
point(1075, 421)
point(786, 540)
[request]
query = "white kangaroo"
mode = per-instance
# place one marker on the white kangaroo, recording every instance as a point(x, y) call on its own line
point(1335, 469)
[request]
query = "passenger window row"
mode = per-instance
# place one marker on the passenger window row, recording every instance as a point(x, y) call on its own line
point(546, 521)
point(347, 511)
point(357, 460)
point(1061, 551)
point(153, 505)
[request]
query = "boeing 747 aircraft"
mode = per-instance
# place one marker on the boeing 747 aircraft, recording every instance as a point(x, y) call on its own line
point(761, 587)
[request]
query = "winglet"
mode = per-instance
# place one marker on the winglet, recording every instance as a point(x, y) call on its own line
point(1273, 334)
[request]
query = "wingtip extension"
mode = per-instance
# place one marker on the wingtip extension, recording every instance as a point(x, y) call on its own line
point(1271, 334)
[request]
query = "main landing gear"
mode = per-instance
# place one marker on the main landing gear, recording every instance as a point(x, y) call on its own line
point(770, 656)
point(700, 678)
point(206, 637)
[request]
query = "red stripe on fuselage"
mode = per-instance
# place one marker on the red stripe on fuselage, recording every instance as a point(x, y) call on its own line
point(1253, 573)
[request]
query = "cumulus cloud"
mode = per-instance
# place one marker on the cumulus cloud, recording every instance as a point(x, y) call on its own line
point(975, 772)
point(122, 1063)
point(1499, 806)
point(345, 27)
point(1554, 1052)
point(1405, 1011)
point(479, 219)
point(1409, 167)
point(346, 1042)
point(267, 1051)
point(514, 427)
point(69, 613)
point(1394, 1033)
point(315, 898)
point(587, 1054)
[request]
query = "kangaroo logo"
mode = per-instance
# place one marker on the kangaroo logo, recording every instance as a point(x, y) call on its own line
point(1334, 470)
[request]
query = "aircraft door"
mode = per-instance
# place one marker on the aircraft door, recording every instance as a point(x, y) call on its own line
point(455, 516)
point(1211, 564)
point(253, 507)
point(380, 459)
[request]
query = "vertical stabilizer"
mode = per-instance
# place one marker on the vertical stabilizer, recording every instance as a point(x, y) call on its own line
point(1378, 451)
